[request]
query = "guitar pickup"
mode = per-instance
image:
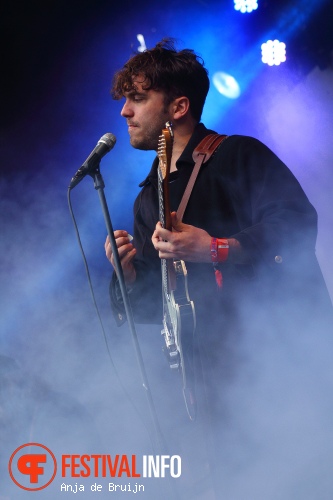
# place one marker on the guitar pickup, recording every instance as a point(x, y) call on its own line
point(170, 351)
point(172, 357)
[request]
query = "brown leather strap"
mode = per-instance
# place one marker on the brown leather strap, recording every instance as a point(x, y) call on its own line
point(201, 154)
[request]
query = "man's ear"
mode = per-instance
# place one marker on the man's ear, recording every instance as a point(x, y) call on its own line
point(180, 107)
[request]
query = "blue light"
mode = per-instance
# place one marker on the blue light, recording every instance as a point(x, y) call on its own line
point(142, 46)
point(245, 5)
point(226, 84)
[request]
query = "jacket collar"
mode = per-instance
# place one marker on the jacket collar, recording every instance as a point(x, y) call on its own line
point(185, 158)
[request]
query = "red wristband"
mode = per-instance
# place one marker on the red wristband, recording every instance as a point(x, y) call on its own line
point(219, 249)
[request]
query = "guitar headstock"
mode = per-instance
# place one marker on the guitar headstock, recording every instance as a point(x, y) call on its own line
point(164, 150)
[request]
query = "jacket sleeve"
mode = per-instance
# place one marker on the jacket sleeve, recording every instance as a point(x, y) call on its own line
point(146, 293)
point(278, 223)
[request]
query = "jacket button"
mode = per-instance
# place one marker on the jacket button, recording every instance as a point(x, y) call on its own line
point(278, 259)
point(120, 316)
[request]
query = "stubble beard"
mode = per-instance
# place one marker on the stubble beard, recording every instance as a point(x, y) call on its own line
point(147, 139)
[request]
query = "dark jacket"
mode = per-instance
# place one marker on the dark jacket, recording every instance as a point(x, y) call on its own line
point(244, 192)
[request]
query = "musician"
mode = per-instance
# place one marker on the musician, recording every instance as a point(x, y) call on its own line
point(265, 280)
point(244, 194)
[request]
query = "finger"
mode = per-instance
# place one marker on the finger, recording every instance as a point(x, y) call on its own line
point(156, 238)
point(125, 258)
point(120, 233)
point(123, 247)
point(163, 234)
point(122, 241)
point(177, 224)
point(159, 229)
point(165, 247)
point(174, 216)
point(128, 257)
point(166, 255)
point(174, 221)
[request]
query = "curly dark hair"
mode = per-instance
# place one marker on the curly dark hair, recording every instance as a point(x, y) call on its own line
point(163, 68)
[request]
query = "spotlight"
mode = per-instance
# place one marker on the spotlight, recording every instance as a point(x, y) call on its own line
point(142, 46)
point(273, 52)
point(226, 84)
point(245, 5)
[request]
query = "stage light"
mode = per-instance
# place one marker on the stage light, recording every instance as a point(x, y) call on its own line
point(226, 84)
point(245, 5)
point(141, 40)
point(273, 52)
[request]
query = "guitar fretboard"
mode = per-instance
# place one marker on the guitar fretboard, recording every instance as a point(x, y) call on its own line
point(164, 267)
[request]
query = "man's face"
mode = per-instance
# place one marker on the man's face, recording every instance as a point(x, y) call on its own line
point(146, 113)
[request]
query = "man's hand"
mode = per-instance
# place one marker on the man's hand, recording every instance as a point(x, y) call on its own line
point(126, 253)
point(185, 242)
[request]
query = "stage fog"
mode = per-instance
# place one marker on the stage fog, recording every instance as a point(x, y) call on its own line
point(62, 382)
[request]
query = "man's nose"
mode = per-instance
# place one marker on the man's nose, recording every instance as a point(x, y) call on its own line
point(126, 110)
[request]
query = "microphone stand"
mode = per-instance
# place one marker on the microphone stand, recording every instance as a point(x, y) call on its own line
point(99, 186)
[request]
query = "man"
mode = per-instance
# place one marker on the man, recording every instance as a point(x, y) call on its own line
point(267, 279)
point(244, 194)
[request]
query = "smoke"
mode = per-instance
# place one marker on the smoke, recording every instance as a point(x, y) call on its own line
point(299, 128)
point(278, 440)
point(57, 384)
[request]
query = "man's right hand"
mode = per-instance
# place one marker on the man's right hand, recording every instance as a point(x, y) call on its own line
point(126, 253)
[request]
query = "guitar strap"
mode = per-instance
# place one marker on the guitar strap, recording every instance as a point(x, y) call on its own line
point(201, 155)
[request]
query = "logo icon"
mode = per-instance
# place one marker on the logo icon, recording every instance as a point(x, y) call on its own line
point(32, 466)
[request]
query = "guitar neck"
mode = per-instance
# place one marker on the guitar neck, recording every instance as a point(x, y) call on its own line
point(166, 205)
point(164, 153)
point(168, 272)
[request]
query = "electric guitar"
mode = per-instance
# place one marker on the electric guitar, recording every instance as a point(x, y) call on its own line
point(178, 309)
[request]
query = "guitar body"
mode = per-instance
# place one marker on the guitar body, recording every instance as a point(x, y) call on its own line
point(178, 331)
point(178, 309)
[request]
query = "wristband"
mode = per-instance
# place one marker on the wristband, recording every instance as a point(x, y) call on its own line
point(219, 249)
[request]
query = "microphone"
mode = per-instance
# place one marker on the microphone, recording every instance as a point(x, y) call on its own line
point(104, 145)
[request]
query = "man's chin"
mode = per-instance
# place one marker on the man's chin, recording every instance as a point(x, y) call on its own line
point(141, 145)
